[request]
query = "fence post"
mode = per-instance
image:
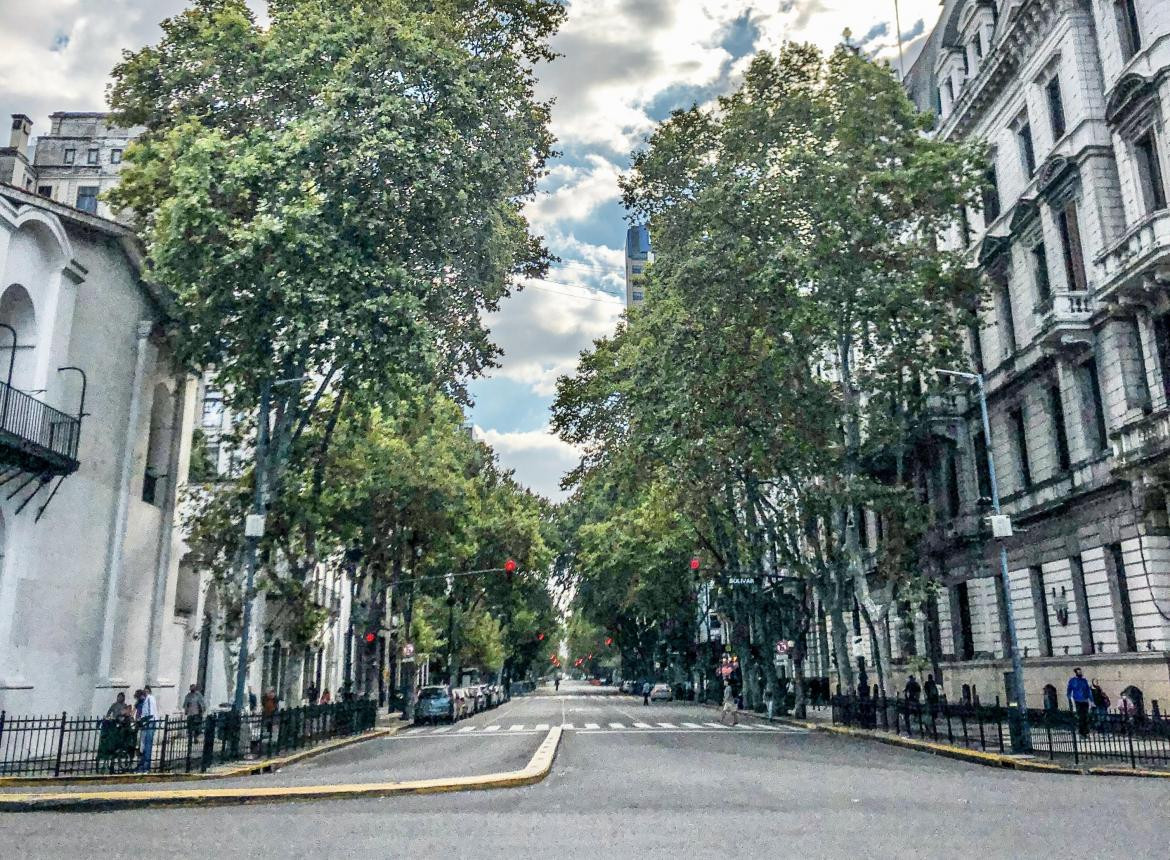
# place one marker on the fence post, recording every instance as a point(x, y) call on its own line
point(1048, 728)
point(162, 761)
point(1129, 738)
point(208, 743)
point(2, 717)
point(60, 746)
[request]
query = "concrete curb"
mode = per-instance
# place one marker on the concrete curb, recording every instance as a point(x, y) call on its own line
point(987, 759)
point(251, 769)
point(536, 770)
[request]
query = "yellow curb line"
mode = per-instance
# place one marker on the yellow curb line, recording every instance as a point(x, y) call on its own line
point(265, 766)
point(988, 759)
point(536, 770)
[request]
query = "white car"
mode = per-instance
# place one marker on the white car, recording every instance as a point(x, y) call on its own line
point(661, 693)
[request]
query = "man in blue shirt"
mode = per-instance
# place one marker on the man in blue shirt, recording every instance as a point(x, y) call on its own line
point(1080, 695)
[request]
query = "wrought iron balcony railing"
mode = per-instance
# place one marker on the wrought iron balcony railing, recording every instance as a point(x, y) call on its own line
point(34, 436)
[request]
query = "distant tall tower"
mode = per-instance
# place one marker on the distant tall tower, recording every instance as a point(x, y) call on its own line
point(637, 256)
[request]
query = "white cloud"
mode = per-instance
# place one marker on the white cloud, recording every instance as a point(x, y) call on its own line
point(574, 193)
point(539, 458)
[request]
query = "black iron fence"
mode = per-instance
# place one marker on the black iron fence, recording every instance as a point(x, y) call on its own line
point(77, 746)
point(1135, 738)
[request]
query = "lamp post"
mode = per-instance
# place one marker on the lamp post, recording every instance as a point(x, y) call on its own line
point(1020, 731)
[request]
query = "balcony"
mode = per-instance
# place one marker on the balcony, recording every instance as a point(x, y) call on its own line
point(1064, 321)
point(1143, 441)
point(1145, 250)
point(36, 438)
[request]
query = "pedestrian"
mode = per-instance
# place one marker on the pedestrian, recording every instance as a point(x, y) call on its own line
point(932, 696)
point(729, 706)
point(118, 709)
point(1100, 703)
point(1080, 697)
point(311, 693)
point(556, 682)
point(193, 707)
point(645, 692)
point(326, 697)
point(252, 705)
point(146, 719)
point(913, 690)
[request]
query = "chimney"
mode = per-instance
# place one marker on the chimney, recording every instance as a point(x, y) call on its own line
point(21, 129)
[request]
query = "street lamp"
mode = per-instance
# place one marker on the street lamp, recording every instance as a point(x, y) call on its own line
point(1021, 735)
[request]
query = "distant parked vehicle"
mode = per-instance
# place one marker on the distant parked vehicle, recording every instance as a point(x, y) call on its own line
point(661, 693)
point(434, 704)
point(625, 687)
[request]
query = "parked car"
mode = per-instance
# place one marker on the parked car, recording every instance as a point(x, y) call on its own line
point(661, 693)
point(434, 704)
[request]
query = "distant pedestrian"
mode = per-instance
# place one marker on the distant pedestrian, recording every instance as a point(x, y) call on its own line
point(146, 719)
point(932, 695)
point(311, 693)
point(117, 710)
point(913, 690)
point(1080, 696)
point(729, 706)
point(252, 703)
point(557, 682)
point(194, 707)
point(326, 697)
point(1100, 703)
point(862, 684)
point(645, 692)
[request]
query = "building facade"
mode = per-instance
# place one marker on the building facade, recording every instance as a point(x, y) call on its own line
point(94, 442)
point(1073, 241)
point(637, 258)
point(74, 163)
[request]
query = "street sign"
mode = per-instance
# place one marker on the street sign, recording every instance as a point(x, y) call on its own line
point(782, 647)
point(408, 649)
point(742, 580)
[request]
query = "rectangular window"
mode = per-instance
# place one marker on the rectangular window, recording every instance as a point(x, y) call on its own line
point(1093, 406)
point(982, 465)
point(1027, 149)
point(1128, 631)
point(70, 156)
point(1145, 151)
point(1162, 346)
point(976, 348)
point(1020, 434)
point(1007, 319)
point(1127, 27)
point(1040, 273)
point(45, 190)
point(954, 498)
point(1040, 605)
point(91, 157)
point(966, 635)
point(1055, 108)
point(1069, 228)
point(991, 201)
point(1059, 431)
point(977, 44)
point(87, 199)
point(115, 156)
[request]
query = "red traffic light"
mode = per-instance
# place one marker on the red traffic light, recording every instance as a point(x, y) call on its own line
point(695, 563)
point(608, 641)
point(539, 637)
point(370, 637)
point(509, 566)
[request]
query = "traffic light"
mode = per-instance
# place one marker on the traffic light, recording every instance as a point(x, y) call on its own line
point(695, 563)
point(608, 641)
point(539, 637)
point(371, 637)
point(509, 569)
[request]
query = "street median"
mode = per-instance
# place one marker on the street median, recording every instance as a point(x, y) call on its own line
point(535, 771)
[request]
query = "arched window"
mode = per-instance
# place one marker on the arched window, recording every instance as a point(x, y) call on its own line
point(17, 312)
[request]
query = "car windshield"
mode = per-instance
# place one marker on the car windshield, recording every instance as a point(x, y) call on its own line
point(433, 693)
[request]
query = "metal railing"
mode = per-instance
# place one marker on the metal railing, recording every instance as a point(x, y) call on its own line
point(38, 425)
point(56, 746)
point(1135, 738)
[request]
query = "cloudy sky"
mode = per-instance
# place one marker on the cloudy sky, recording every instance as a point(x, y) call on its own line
point(625, 65)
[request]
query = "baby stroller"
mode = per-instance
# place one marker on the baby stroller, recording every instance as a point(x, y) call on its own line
point(118, 745)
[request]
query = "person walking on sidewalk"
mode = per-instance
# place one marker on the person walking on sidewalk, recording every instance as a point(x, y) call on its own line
point(146, 720)
point(913, 690)
point(193, 708)
point(1100, 704)
point(1080, 696)
point(645, 692)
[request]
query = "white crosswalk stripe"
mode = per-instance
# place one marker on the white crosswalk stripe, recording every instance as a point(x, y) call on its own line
point(442, 729)
point(568, 727)
point(519, 727)
point(642, 726)
point(467, 729)
point(542, 727)
point(668, 725)
point(692, 725)
point(616, 726)
point(592, 726)
point(610, 728)
point(715, 725)
point(492, 729)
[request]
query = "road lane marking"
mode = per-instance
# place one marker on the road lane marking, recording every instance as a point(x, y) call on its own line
point(567, 726)
point(616, 726)
point(715, 725)
point(467, 729)
point(592, 726)
point(642, 726)
point(542, 727)
point(442, 729)
point(519, 727)
point(492, 729)
point(668, 725)
point(692, 725)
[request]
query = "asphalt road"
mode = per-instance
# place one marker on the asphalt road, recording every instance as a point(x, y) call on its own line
point(683, 789)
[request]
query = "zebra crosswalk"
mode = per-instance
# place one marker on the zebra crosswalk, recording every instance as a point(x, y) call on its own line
point(608, 728)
